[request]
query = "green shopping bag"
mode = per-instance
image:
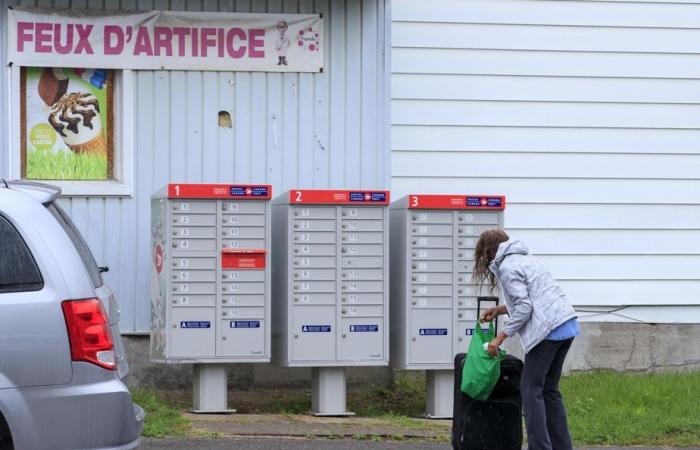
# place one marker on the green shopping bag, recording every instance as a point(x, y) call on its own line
point(481, 370)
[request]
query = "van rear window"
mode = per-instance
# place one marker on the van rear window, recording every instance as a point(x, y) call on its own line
point(18, 269)
point(80, 244)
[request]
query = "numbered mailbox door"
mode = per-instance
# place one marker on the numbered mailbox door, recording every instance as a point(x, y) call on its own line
point(192, 333)
point(430, 336)
point(313, 334)
point(362, 339)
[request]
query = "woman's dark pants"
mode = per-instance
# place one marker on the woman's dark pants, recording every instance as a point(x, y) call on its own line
point(545, 415)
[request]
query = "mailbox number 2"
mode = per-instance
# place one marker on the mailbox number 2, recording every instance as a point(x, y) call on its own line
point(298, 198)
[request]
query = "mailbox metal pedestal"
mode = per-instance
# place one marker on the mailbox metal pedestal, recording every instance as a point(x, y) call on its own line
point(433, 297)
point(439, 397)
point(210, 390)
point(328, 393)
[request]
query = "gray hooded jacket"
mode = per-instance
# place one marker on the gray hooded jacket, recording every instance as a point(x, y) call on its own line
point(536, 304)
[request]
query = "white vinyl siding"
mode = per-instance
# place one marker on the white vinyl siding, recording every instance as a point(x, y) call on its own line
point(585, 114)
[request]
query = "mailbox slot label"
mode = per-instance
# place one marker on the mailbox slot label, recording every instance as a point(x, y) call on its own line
point(244, 324)
point(433, 331)
point(364, 328)
point(315, 328)
point(195, 324)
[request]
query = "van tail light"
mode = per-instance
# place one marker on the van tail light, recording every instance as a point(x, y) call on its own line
point(88, 333)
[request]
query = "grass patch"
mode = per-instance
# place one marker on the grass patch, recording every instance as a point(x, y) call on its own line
point(404, 397)
point(65, 165)
point(608, 408)
point(162, 419)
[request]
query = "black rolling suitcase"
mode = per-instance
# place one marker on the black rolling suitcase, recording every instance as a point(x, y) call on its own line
point(493, 424)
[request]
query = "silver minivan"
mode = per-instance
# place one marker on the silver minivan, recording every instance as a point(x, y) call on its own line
point(61, 355)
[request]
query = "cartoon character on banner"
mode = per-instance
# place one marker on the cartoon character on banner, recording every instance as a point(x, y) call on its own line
point(282, 43)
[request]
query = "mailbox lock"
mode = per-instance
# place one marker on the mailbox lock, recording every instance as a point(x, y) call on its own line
point(223, 338)
point(224, 276)
point(415, 217)
point(414, 303)
point(224, 301)
point(296, 213)
point(344, 336)
point(461, 242)
point(224, 313)
point(225, 233)
point(459, 315)
point(296, 250)
point(296, 299)
point(344, 213)
point(174, 302)
point(296, 263)
point(344, 226)
point(461, 218)
point(345, 275)
point(414, 339)
point(460, 339)
point(461, 230)
point(224, 289)
point(344, 238)
point(415, 242)
point(296, 275)
point(460, 291)
point(414, 266)
point(296, 226)
point(344, 250)
point(413, 278)
point(344, 299)
point(415, 229)
point(461, 255)
point(414, 291)
point(461, 279)
point(296, 238)
point(174, 325)
point(459, 303)
point(296, 336)
point(174, 244)
point(344, 310)
point(174, 276)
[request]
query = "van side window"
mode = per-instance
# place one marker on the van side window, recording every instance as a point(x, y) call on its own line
point(18, 270)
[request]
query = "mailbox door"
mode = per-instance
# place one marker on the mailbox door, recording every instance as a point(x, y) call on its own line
point(430, 338)
point(242, 338)
point(192, 333)
point(313, 333)
point(362, 339)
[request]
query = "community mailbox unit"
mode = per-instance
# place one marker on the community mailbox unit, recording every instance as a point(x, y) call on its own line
point(433, 299)
point(331, 287)
point(210, 293)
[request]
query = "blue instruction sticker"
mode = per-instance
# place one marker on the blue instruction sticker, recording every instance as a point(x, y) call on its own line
point(244, 324)
point(364, 328)
point(470, 331)
point(315, 328)
point(433, 331)
point(188, 324)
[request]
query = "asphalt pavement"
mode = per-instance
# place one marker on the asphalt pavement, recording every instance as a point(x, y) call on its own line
point(277, 443)
point(285, 444)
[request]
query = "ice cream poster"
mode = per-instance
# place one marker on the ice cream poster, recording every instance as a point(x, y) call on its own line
point(66, 124)
point(166, 40)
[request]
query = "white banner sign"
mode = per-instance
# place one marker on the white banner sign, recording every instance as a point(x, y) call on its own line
point(166, 40)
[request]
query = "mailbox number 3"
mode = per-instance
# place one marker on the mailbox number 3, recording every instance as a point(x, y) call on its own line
point(298, 199)
point(414, 201)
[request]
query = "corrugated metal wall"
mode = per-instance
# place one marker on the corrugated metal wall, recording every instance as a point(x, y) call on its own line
point(325, 130)
point(584, 113)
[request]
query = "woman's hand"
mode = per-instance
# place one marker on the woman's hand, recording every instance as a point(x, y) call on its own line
point(489, 314)
point(495, 344)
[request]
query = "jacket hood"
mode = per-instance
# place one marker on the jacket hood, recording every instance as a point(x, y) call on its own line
point(509, 247)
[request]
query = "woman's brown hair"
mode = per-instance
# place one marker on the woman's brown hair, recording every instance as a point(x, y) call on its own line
point(485, 252)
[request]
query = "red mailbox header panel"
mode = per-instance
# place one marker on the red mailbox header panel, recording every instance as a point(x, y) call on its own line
point(338, 197)
point(495, 202)
point(225, 191)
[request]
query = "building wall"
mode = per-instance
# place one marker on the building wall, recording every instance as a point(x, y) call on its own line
point(291, 130)
point(584, 114)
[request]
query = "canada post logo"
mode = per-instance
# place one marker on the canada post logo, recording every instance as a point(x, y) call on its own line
point(248, 191)
point(367, 196)
point(485, 202)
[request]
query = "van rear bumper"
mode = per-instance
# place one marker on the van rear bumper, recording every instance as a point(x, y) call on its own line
point(92, 412)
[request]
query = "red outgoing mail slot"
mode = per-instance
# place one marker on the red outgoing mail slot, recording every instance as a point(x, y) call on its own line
point(243, 259)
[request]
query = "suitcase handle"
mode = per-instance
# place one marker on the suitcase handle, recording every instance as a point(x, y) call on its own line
point(478, 309)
